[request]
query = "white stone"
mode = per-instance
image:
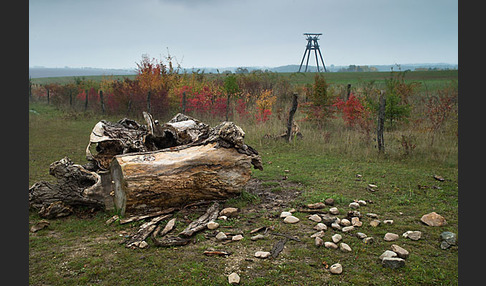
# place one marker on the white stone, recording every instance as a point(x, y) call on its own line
point(348, 228)
point(345, 222)
point(320, 226)
point(212, 225)
point(262, 254)
point(257, 237)
point(362, 202)
point(356, 222)
point(390, 236)
point(354, 205)
point(221, 236)
point(318, 241)
point(331, 245)
point(387, 253)
point(336, 268)
point(228, 212)
point(361, 235)
point(233, 278)
point(335, 225)
point(318, 234)
point(388, 221)
point(315, 218)
point(285, 214)
point(413, 235)
point(336, 238)
point(143, 244)
point(237, 237)
point(291, 219)
point(344, 247)
point(334, 211)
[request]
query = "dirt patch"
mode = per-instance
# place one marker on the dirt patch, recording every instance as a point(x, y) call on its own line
point(277, 193)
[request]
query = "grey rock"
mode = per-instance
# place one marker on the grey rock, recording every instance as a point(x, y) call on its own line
point(413, 235)
point(388, 253)
point(448, 237)
point(336, 238)
point(390, 236)
point(433, 219)
point(328, 219)
point(329, 201)
point(400, 251)
point(393, 262)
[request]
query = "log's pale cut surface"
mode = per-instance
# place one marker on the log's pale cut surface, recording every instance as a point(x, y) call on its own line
point(156, 180)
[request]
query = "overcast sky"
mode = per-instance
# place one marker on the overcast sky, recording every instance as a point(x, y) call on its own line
point(232, 33)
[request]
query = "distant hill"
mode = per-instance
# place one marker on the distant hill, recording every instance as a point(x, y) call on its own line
point(40, 72)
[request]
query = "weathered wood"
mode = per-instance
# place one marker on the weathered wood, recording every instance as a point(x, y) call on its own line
point(211, 214)
point(145, 230)
point(167, 178)
point(55, 210)
point(278, 247)
point(140, 217)
point(168, 227)
point(292, 111)
point(75, 186)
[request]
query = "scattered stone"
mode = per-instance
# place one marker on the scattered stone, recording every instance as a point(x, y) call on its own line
point(336, 268)
point(228, 212)
point(234, 278)
point(221, 236)
point(344, 247)
point(372, 215)
point(345, 222)
point(336, 226)
point(257, 237)
point(222, 217)
point(362, 202)
point(292, 210)
point(447, 239)
point(318, 241)
point(315, 218)
point(143, 244)
point(329, 201)
point(334, 210)
point(285, 214)
point(400, 251)
point(433, 219)
point(368, 240)
point(361, 235)
point(372, 186)
point(354, 205)
point(328, 219)
point(316, 206)
point(375, 223)
point(439, 178)
point(212, 225)
point(330, 245)
point(413, 235)
point(336, 238)
point(320, 226)
point(318, 234)
point(291, 219)
point(393, 262)
point(388, 254)
point(237, 237)
point(348, 228)
point(388, 221)
point(354, 213)
point(262, 254)
point(390, 236)
point(356, 222)
point(40, 225)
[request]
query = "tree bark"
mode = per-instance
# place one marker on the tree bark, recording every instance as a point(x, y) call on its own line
point(292, 111)
point(381, 124)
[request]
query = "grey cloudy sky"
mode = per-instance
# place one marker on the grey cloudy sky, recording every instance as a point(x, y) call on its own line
point(218, 33)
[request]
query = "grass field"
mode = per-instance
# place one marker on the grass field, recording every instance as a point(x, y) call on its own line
point(82, 250)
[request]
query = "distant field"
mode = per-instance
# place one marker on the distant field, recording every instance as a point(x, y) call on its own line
point(429, 79)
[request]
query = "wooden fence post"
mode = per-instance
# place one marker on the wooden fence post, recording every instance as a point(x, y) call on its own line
point(381, 123)
point(292, 111)
point(86, 100)
point(102, 102)
point(183, 102)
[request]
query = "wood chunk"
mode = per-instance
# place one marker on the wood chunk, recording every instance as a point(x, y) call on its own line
point(140, 217)
point(278, 247)
point(145, 230)
point(200, 224)
point(168, 241)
